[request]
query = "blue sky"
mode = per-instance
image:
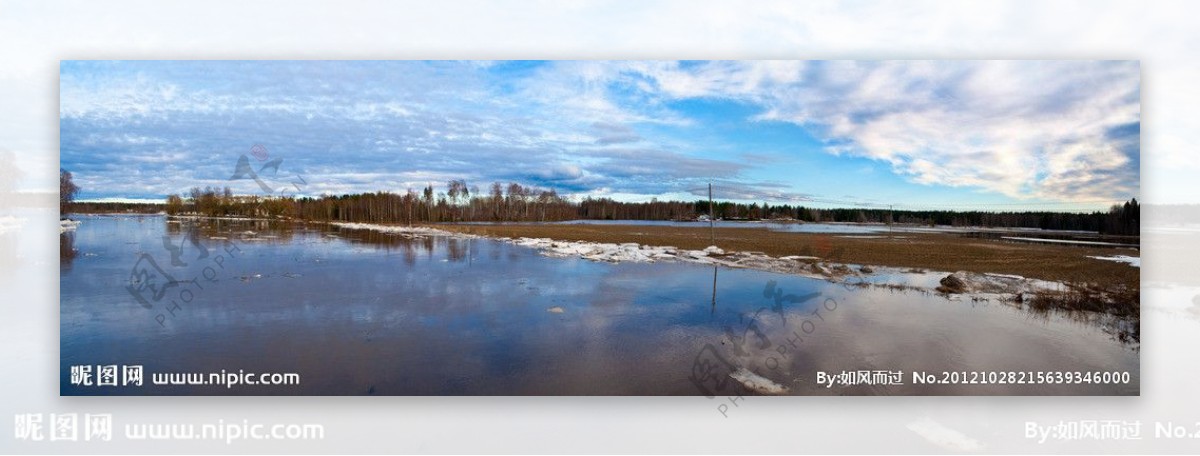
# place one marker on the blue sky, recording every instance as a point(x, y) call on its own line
point(1002, 135)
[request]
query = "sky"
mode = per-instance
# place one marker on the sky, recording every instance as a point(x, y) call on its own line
point(997, 135)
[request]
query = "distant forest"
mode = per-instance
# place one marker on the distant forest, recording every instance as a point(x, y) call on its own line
point(517, 203)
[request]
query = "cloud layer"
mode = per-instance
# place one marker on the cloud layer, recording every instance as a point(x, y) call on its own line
point(1049, 131)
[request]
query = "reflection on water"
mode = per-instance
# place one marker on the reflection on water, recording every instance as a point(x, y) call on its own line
point(66, 249)
point(360, 312)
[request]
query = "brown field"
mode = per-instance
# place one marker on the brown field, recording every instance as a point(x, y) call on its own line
point(931, 251)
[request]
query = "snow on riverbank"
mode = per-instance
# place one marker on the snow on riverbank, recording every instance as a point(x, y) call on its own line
point(990, 284)
point(616, 253)
point(66, 225)
point(806, 266)
point(407, 231)
point(1133, 261)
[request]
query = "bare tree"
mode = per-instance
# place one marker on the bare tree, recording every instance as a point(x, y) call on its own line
point(427, 196)
point(497, 201)
point(66, 191)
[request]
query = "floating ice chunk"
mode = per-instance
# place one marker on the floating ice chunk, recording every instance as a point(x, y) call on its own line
point(555, 310)
point(757, 383)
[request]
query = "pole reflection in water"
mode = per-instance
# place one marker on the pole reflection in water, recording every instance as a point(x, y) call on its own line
point(714, 291)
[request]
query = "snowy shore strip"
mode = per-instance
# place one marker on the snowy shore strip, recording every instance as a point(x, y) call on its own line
point(992, 285)
point(1131, 260)
point(406, 231)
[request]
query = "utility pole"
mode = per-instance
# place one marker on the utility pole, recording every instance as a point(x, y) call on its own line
point(712, 231)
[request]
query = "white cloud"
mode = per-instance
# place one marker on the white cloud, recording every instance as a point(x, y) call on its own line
point(1025, 129)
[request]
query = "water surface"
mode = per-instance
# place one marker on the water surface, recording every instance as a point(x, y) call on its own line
point(357, 312)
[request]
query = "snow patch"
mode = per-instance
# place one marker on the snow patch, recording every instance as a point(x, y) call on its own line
point(409, 231)
point(1132, 261)
point(974, 283)
point(599, 251)
point(799, 257)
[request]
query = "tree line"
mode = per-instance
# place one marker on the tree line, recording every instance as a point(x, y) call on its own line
point(514, 202)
